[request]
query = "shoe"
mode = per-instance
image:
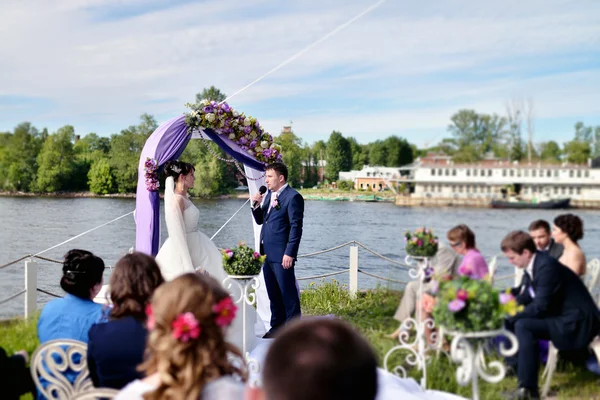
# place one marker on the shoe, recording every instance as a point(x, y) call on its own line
point(522, 394)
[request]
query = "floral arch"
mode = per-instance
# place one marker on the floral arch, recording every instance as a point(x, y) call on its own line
point(240, 136)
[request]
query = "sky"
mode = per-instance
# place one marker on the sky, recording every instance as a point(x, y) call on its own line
point(402, 69)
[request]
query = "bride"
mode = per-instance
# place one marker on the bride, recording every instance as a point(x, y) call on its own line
point(189, 250)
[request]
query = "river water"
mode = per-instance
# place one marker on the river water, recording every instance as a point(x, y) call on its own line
point(30, 225)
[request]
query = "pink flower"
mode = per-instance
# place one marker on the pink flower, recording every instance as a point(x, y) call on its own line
point(150, 321)
point(419, 243)
point(435, 286)
point(186, 327)
point(462, 294)
point(465, 270)
point(505, 298)
point(427, 303)
point(456, 305)
point(225, 310)
point(256, 255)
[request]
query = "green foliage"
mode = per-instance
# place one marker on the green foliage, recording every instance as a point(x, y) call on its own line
point(291, 149)
point(56, 161)
point(577, 152)
point(339, 155)
point(550, 151)
point(421, 243)
point(242, 260)
point(18, 159)
point(101, 179)
point(345, 185)
point(211, 93)
point(476, 134)
point(19, 334)
point(471, 305)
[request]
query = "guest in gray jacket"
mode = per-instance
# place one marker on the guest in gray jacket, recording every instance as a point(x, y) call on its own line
point(444, 263)
point(539, 230)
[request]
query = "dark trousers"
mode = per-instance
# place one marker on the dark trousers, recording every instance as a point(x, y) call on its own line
point(283, 293)
point(528, 331)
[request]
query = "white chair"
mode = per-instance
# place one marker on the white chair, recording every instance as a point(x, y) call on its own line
point(591, 280)
point(492, 268)
point(96, 394)
point(52, 360)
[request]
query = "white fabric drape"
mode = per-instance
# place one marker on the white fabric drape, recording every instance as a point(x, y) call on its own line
point(176, 230)
point(263, 305)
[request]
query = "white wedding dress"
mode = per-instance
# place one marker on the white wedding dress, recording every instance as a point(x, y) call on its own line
point(187, 249)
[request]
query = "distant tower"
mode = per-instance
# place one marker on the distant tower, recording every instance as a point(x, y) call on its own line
point(286, 129)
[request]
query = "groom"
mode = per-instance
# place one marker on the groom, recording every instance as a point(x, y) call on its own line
point(281, 216)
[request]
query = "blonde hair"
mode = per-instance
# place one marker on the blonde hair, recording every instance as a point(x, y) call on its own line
point(184, 368)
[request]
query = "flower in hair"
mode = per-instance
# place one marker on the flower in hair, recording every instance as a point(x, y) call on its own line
point(150, 322)
point(176, 169)
point(186, 327)
point(225, 310)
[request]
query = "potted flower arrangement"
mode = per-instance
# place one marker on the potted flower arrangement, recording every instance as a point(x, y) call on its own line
point(464, 304)
point(242, 260)
point(421, 243)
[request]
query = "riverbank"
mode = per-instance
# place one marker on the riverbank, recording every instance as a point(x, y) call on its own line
point(75, 195)
point(371, 313)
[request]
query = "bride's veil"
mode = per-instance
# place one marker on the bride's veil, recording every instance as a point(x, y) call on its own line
point(181, 261)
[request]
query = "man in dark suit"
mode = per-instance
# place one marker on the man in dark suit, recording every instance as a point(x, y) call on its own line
point(281, 216)
point(558, 307)
point(540, 233)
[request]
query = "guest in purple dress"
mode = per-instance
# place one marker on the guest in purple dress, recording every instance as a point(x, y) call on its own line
point(462, 240)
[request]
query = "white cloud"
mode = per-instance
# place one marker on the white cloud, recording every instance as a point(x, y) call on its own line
point(412, 64)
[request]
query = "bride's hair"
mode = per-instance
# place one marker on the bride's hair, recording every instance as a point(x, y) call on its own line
point(185, 367)
point(175, 168)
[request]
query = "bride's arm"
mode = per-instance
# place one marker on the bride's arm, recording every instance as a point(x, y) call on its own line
point(177, 234)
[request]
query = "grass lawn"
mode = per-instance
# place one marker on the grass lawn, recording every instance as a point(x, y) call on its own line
point(372, 314)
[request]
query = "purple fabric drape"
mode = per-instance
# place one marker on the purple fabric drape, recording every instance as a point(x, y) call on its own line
point(166, 143)
point(234, 150)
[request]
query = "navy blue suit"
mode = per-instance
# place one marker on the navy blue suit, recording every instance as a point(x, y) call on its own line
point(280, 235)
point(561, 310)
point(115, 349)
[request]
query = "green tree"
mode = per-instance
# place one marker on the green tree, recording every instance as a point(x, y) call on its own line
point(101, 179)
point(291, 149)
point(476, 132)
point(583, 133)
point(56, 161)
point(577, 152)
point(208, 176)
point(550, 151)
point(378, 153)
point(399, 152)
point(339, 156)
point(18, 166)
point(211, 93)
point(125, 151)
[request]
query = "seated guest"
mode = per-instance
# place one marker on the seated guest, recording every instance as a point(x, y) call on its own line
point(187, 356)
point(539, 230)
point(318, 359)
point(462, 240)
point(558, 307)
point(71, 317)
point(116, 347)
point(444, 263)
point(567, 231)
point(15, 377)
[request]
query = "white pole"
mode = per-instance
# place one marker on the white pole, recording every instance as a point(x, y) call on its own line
point(30, 287)
point(353, 284)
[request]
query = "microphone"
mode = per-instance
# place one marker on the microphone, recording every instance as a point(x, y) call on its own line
point(261, 190)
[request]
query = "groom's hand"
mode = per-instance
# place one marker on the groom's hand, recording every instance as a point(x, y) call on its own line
point(257, 199)
point(287, 261)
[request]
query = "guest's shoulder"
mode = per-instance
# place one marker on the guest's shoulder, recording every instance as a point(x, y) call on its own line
point(133, 391)
point(125, 326)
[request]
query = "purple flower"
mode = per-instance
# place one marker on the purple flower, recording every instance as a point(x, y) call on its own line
point(267, 153)
point(257, 125)
point(247, 129)
point(243, 140)
point(244, 148)
point(505, 298)
point(279, 157)
point(270, 138)
point(208, 109)
point(456, 305)
point(225, 107)
point(253, 144)
point(213, 103)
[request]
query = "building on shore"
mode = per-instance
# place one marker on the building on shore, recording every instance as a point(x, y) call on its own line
point(437, 177)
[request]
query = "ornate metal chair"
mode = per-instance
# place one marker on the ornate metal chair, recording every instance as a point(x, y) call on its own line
point(52, 360)
point(96, 394)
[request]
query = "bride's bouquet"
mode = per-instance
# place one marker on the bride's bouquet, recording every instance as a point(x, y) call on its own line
point(242, 260)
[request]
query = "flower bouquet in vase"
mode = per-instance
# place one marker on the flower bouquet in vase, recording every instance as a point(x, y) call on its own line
point(242, 260)
point(421, 243)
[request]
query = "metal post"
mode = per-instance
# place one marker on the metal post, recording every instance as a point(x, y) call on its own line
point(353, 284)
point(30, 287)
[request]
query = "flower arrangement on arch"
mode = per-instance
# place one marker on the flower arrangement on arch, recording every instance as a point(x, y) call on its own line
point(242, 260)
point(421, 243)
point(243, 130)
point(151, 174)
point(463, 304)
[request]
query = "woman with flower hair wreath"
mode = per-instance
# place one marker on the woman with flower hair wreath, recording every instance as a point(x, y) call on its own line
point(187, 356)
